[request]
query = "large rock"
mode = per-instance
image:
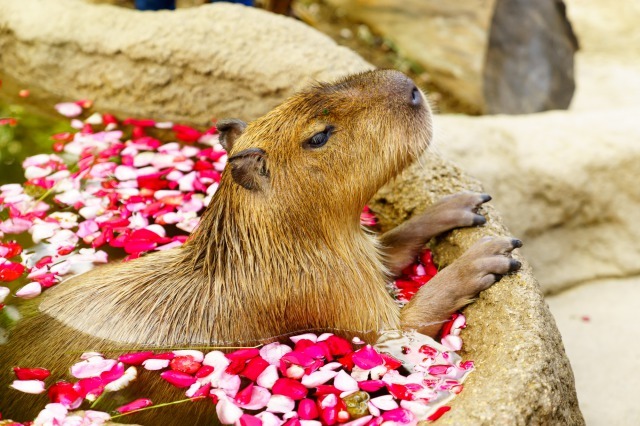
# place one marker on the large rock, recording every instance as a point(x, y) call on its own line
point(566, 184)
point(218, 60)
point(492, 56)
point(523, 376)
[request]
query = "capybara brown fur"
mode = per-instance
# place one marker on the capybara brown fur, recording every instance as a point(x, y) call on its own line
point(279, 250)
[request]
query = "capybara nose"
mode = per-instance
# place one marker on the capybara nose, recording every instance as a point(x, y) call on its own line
point(416, 97)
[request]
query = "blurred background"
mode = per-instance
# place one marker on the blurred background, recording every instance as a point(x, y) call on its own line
point(537, 99)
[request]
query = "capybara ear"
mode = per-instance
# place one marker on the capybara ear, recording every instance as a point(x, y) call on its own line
point(249, 169)
point(229, 130)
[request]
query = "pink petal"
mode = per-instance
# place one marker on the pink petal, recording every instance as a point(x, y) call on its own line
point(68, 109)
point(439, 370)
point(230, 384)
point(345, 382)
point(362, 421)
point(317, 378)
point(273, 352)
point(280, 404)
point(367, 358)
point(92, 367)
point(28, 386)
point(228, 412)
point(134, 405)
point(259, 399)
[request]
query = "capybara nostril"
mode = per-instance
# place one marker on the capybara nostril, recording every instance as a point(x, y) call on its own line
point(416, 97)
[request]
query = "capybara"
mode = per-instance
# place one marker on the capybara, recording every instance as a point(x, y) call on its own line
point(279, 250)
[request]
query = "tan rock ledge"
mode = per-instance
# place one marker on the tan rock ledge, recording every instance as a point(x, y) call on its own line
point(218, 60)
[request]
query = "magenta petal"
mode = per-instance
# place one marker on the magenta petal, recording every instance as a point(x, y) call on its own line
point(371, 385)
point(291, 388)
point(367, 358)
point(89, 388)
point(178, 379)
point(308, 410)
point(243, 354)
point(114, 373)
point(249, 420)
point(134, 405)
point(254, 368)
point(399, 415)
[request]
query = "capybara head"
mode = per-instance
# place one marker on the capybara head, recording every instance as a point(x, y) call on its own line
point(332, 146)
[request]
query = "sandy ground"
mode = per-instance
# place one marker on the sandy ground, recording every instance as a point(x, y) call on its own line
point(597, 319)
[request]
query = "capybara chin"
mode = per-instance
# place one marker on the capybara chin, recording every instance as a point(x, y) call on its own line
point(279, 250)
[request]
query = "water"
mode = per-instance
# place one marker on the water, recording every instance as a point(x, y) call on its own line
point(31, 135)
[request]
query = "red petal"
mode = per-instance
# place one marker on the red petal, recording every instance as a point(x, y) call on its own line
point(254, 368)
point(400, 391)
point(204, 371)
point(438, 413)
point(31, 373)
point(291, 388)
point(10, 249)
point(65, 394)
point(390, 362)
point(329, 416)
point(185, 364)
point(10, 271)
point(339, 346)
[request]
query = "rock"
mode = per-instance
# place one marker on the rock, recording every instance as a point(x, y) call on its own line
point(193, 64)
point(600, 329)
point(523, 376)
point(498, 56)
point(566, 184)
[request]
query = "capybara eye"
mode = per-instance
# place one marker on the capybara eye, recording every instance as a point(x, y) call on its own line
point(320, 138)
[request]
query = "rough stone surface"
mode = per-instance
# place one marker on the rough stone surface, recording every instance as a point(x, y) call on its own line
point(599, 326)
point(523, 376)
point(566, 184)
point(218, 60)
point(493, 56)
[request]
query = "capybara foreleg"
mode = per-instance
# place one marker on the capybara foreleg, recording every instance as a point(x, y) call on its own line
point(456, 285)
point(403, 243)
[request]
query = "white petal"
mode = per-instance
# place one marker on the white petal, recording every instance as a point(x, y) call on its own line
point(318, 378)
point(29, 291)
point(345, 382)
point(155, 364)
point(280, 404)
point(28, 386)
point(268, 377)
point(228, 412)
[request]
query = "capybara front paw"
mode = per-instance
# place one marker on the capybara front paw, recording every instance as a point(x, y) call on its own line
point(461, 209)
point(485, 263)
